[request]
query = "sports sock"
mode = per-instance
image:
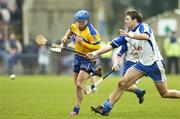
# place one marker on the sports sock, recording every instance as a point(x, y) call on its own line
point(105, 102)
point(76, 109)
point(138, 92)
point(107, 107)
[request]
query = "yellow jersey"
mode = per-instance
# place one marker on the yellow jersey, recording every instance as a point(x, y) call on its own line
point(90, 37)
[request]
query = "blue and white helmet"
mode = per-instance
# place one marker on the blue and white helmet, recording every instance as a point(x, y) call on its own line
point(81, 15)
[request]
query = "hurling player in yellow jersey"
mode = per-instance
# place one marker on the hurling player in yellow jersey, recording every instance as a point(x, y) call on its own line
point(86, 40)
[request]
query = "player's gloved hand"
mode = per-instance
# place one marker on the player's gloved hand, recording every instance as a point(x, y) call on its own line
point(115, 67)
point(91, 55)
point(99, 71)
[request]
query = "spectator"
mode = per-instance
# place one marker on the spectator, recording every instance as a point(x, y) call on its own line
point(172, 51)
point(3, 54)
point(14, 49)
point(43, 60)
point(29, 58)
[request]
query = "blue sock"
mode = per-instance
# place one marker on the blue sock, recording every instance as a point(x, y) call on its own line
point(138, 92)
point(105, 102)
point(107, 107)
point(76, 109)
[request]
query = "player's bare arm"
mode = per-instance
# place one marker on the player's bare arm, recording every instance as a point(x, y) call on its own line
point(115, 66)
point(102, 50)
point(66, 36)
point(141, 36)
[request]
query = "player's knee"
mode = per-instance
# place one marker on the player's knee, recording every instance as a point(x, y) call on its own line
point(122, 84)
point(79, 85)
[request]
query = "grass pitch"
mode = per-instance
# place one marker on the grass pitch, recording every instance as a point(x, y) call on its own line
point(53, 97)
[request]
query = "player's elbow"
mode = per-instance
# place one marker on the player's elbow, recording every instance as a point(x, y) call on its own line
point(145, 36)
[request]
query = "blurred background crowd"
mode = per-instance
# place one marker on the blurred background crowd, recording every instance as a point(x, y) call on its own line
point(22, 20)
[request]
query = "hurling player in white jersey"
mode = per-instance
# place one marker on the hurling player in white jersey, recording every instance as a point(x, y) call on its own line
point(150, 63)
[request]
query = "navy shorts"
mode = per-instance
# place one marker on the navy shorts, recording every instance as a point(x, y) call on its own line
point(82, 63)
point(155, 71)
point(127, 65)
